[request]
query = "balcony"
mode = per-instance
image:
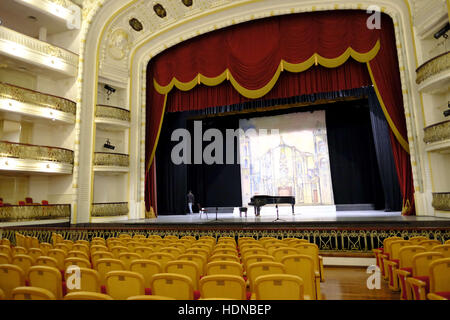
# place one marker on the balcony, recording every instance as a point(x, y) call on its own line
point(441, 201)
point(108, 162)
point(19, 157)
point(33, 104)
point(21, 50)
point(437, 137)
point(433, 76)
point(111, 209)
point(15, 213)
point(111, 118)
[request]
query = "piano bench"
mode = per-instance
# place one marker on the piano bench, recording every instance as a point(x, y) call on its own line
point(242, 209)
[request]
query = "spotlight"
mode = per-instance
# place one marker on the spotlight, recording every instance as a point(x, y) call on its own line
point(442, 32)
point(108, 145)
point(447, 112)
point(109, 90)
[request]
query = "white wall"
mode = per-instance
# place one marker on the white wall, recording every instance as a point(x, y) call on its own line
point(110, 188)
point(117, 138)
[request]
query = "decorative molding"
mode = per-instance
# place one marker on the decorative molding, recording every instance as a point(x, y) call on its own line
point(437, 132)
point(33, 152)
point(112, 113)
point(37, 52)
point(37, 99)
point(433, 67)
point(34, 212)
point(111, 159)
point(111, 209)
point(441, 201)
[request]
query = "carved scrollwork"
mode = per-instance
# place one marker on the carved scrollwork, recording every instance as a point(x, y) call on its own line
point(111, 159)
point(34, 212)
point(112, 113)
point(109, 209)
point(32, 152)
point(433, 67)
point(437, 132)
point(441, 201)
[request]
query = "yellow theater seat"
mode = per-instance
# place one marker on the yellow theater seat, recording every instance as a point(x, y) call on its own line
point(223, 286)
point(278, 287)
point(172, 285)
point(32, 293)
point(81, 295)
point(224, 267)
point(121, 285)
point(47, 278)
point(146, 268)
point(11, 277)
point(89, 281)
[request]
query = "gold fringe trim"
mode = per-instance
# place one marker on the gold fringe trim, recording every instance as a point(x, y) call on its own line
point(315, 59)
point(401, 140)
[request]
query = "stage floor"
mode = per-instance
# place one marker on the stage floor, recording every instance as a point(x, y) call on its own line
point(340, 218)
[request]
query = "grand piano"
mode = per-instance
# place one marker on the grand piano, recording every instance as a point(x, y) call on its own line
point(261, 200)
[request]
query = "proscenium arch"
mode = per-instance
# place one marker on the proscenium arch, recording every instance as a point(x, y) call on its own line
point(189, 27)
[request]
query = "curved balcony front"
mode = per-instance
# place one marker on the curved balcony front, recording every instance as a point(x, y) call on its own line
point(15, 213)
point(29, 158)
point(30, 103)
point(20, 49)
point(111, 162)
point(437, 137)
point(434, 75)
point(112, 118)
point(441, 201)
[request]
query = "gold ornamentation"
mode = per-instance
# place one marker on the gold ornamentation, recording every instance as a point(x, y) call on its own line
point(111, 159)
point(33, 152)
point(433, 67)
point(40, 46)
point(112, 113)
point(437, 132)
point(112, 209)
point(118, 44)
point(8, 91)
point(441, 201)
point(34, 212)
point(159, 10)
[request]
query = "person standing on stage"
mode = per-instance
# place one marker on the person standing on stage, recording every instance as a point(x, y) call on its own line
point(191, 199)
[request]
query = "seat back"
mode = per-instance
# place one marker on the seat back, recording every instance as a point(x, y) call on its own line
point(223, 250)
point(6, 250)
point(406, 254)
point(46, 262)
point(146, 268)
point(223, 257)
point(59, 255)
point(204, 250)
point(303, 266)
point(282, 252)
point(25, 262)
point(35, 253)
point(144, 252)
point(387, 241)
point(171, 237)
point(90, 281)
point(11, 276)
point(77, 254)
point(440, 275)
point(81, 247)
point(312, 250)
point(177, 286)
point(224, 267)
point(161, 257)
point(32, 293)
point(95, 256)
point(443, 248)
point(103, 266)
point(429, 244)
point(123, 284)
point(172, 250)
point(252, 251)
point(128, 257)
point(249, 259)
point(82, 295)
point(278, 287)
point(74, 261)
point(117, 250)
point(5, 258)
point(47, 278)
point(257, 269)
point(197, 258)
point(422, 261)
point(124, 236)
point(187, 268)
point(155, 246)
point(133, 244)
point(223, 286)
point(45, 247)
point(416, 240)
point(62, 246)
point(396, 246)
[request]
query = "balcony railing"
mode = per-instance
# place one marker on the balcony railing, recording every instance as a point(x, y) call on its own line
point(34, 212)
point(441, 201)
point(33, 152)
point(437, 132)
point(38, 52)
point(111, 209)
point(37, 99)
point(433, 66)
point(111, 159)
point(112, 113)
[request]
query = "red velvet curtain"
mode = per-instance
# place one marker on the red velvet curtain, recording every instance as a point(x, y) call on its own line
point(255, 56)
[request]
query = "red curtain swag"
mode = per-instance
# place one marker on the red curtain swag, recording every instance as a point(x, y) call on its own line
point(279, 57)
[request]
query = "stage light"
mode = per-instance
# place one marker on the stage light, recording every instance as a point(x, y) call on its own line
point(108, 145)
point(109, 91)
point(447, 112)
point(442, 32)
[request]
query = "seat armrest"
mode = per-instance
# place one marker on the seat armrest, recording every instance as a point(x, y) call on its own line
point(420, 288)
